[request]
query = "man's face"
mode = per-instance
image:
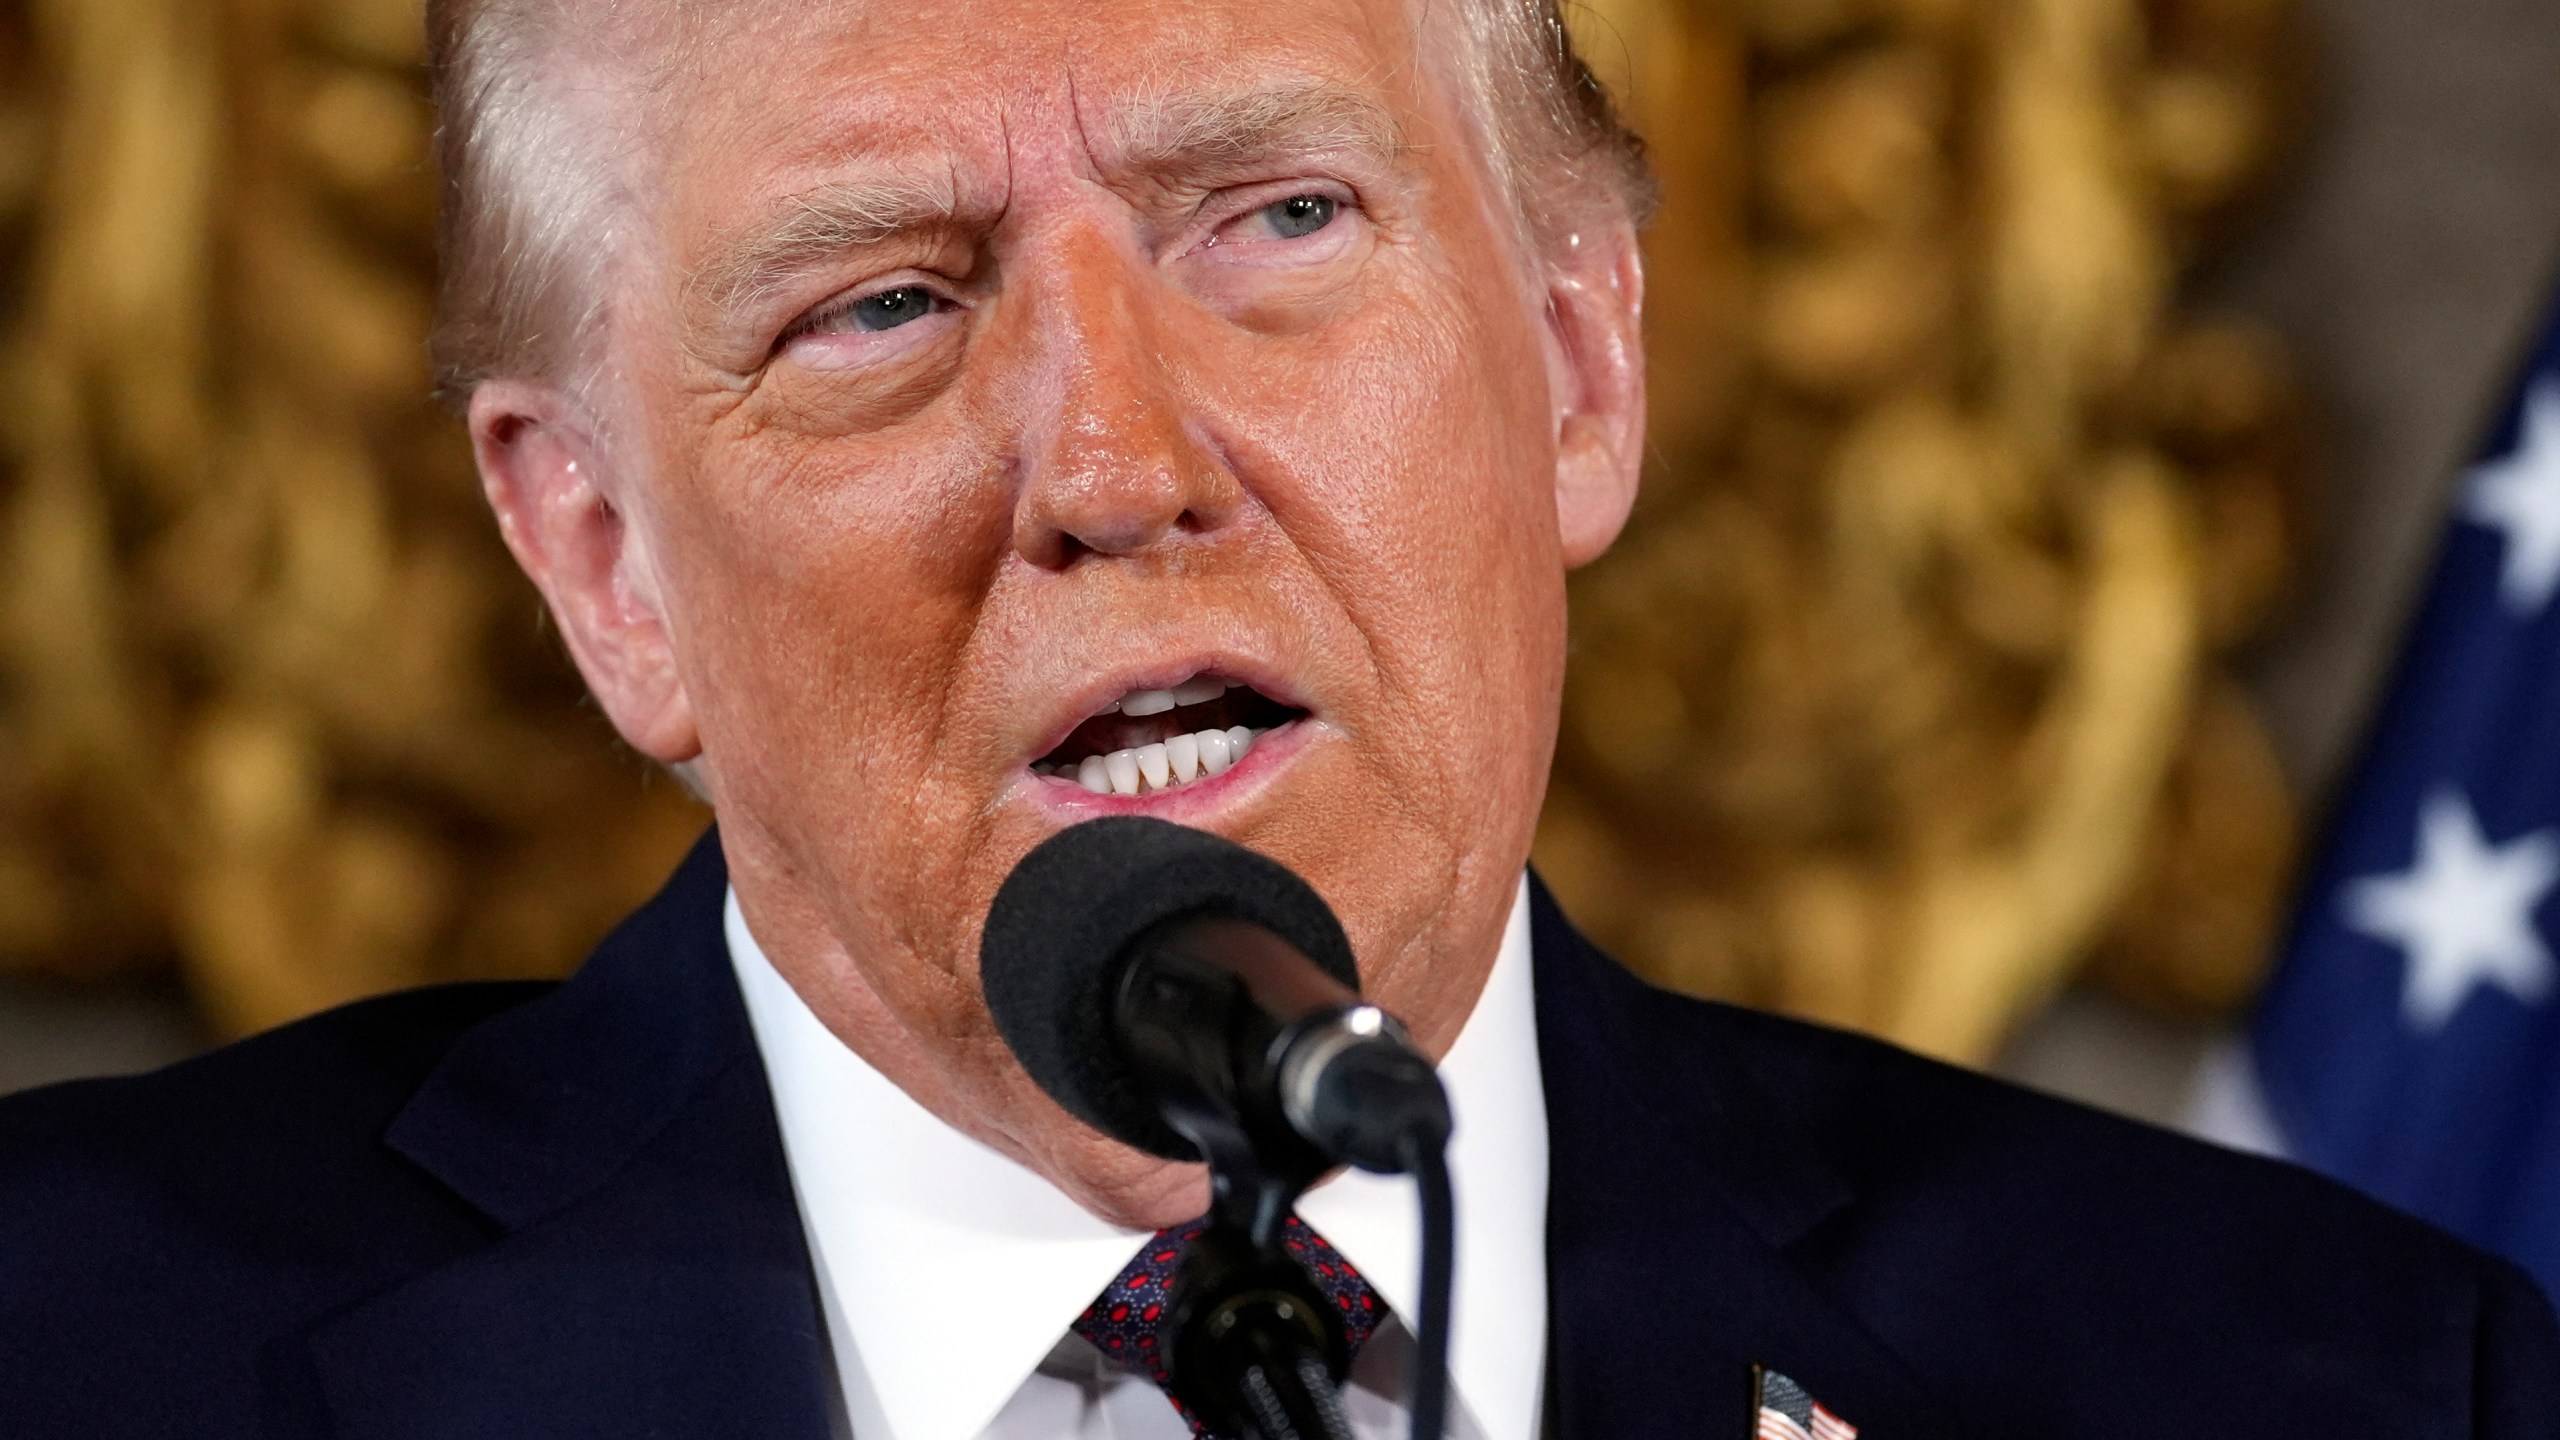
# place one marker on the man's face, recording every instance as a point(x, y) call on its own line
point(1007, 370)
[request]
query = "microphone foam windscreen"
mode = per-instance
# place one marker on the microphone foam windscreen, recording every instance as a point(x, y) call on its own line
point(1061, 930)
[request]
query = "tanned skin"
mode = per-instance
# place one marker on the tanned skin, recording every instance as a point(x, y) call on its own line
point(864, 557)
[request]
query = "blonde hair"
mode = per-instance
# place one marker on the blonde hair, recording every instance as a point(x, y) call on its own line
point(532, 187)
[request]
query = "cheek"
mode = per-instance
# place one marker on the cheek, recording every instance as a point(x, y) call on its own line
point(1416, 474)
point(830, 589)
point(1413, 471)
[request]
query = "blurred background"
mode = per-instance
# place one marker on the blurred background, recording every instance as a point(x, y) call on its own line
point(2055, 404)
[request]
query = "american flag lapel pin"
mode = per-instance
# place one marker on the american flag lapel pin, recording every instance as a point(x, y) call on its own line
point(1786, 1412)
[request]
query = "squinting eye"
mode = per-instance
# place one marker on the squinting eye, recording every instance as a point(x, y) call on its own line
point(1300, 215)
point(891, 308)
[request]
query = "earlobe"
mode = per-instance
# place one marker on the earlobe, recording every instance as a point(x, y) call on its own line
point(1595, 309)
point(580, 546)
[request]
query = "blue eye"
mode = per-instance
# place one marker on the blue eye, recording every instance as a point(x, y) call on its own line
point(1300, 215)
point(891, 308)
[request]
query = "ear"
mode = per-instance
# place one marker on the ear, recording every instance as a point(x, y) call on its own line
point(1595, 357)
point(576, 538)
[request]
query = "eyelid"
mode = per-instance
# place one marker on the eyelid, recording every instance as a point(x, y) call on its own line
point(844, 300)
point(1243, 201)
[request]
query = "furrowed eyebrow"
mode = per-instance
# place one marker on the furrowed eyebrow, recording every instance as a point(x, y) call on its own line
point(1181, 135)
point(1201, 138)
point(818, 225)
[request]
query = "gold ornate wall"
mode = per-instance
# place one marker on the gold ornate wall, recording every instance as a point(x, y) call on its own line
point(1901, 701)
point(1898, 704)
point(277, 708)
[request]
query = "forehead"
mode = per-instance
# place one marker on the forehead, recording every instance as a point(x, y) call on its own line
point(794, 82)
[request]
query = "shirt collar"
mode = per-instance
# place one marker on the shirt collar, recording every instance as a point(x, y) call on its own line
point(952, 1270)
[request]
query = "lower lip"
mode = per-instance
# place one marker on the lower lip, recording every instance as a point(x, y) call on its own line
point(1271, 750)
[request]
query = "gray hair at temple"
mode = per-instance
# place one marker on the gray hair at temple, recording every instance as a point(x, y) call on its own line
point(533, 208)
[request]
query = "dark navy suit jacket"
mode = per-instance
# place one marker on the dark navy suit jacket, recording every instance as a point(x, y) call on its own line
point(529, 1211)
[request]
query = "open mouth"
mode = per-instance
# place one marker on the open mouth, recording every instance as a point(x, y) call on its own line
point(1151, 740)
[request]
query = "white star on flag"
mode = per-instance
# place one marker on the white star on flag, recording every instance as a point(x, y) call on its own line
point(2519, 494)
point(2462, 912)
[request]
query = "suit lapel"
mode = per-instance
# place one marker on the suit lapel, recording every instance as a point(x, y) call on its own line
point(646, 1272)
point(1686, 1219)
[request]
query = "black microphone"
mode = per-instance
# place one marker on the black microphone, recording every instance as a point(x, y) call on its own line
point(1197, 1000)
point(1175, 990)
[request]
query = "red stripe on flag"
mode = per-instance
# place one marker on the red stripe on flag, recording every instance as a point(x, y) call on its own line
point(1774, 1425)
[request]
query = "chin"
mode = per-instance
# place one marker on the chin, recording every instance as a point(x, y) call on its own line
point(1138, 1191)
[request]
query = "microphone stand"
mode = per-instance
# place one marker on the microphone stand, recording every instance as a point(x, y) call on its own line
point(1256, 1348)
point(1192, 998)
point(1253, 1346)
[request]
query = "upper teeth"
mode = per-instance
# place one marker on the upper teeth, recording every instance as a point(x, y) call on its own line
point(1194, 691)
point(1165, 764)
point(1175, 761)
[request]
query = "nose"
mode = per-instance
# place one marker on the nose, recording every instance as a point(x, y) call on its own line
point(1113, 462)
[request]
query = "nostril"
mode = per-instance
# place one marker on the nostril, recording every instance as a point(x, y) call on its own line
point(1117, 482)
point(1124, 535)
point(1112, 510)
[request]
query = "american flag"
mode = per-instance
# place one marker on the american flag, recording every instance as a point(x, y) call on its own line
point(1787, 1413)
point(2410, 1042)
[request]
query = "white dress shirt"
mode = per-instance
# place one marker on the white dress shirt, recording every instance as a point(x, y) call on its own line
point(949, 1274)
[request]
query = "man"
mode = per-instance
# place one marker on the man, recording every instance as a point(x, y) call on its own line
point(930, 426)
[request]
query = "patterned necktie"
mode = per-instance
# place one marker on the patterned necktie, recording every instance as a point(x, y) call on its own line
point(1121, 1323)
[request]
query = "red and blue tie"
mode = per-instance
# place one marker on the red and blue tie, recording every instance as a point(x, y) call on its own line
point(1121, 1322)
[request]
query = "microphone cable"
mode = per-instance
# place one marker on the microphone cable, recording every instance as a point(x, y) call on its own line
point(1427, 1161)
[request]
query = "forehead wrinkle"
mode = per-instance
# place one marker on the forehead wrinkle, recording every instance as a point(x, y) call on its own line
point(816, 225)
point(1170, 130)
